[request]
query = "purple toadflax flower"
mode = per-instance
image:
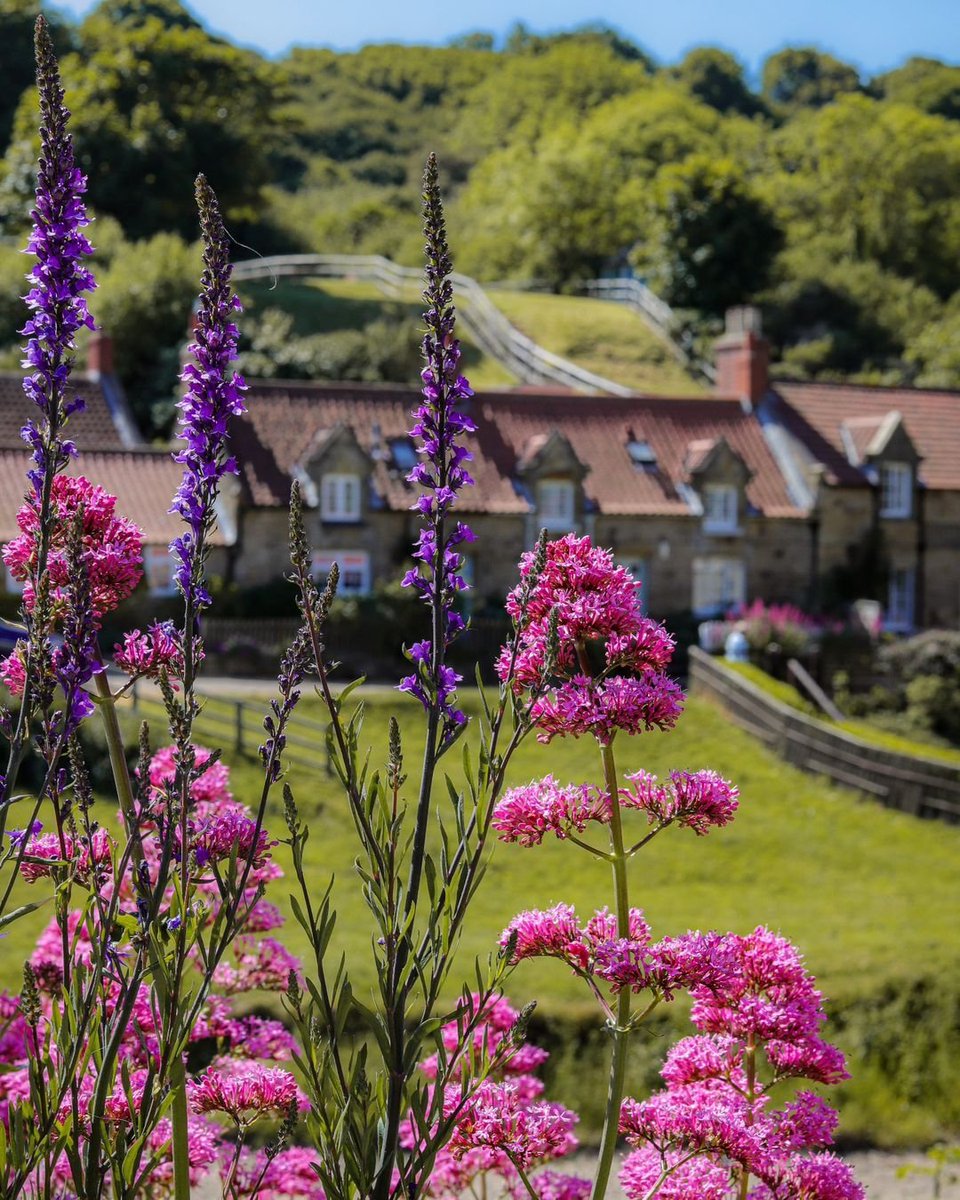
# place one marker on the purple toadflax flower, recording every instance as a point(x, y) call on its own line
point(214, 393)
point(440, 473)
point(59, 278)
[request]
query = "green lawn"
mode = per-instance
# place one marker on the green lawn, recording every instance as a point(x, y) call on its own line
point(600, 335)
point(870, 895)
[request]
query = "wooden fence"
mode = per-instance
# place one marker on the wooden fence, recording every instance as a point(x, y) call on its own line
point(238, 724)
point(490, 328)
point(922, 786)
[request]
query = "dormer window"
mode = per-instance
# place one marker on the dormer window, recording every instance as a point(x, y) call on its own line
point(340, 498)
point(720, 508)
point(641, 454)
point(896, 490)
point(556, 509)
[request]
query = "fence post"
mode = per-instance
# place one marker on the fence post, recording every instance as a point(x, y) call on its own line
point(238, 727)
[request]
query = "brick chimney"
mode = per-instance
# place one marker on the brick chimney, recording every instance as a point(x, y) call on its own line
point(742, 356)
point(100, 354)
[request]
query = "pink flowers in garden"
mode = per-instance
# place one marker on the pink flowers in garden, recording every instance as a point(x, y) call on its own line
point(714, 1126)
point(601, 669)
point(112, 545)
point(245, 1092)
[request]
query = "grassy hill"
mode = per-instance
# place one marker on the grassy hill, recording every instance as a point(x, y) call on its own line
point(601, 336)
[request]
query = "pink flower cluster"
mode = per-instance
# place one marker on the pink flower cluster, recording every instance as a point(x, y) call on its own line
point(245, 1092)
point(696, 799)
point(85, 858)
point(526, 814)
point(502, 1123)
point(247, 1078)
point(147, 654)
point(596, 607)
point(113, 546)
point(714, 1126)
point(597, 952)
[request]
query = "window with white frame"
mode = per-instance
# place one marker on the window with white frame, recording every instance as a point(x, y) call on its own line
point(158, 567)
point(719, 584)
point(340, 498)
point(354, 568)
point(720, 508)
point(555, 505)
point(901, 590)
point(896, 490)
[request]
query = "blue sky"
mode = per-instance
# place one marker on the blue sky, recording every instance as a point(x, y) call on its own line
point(873, 34)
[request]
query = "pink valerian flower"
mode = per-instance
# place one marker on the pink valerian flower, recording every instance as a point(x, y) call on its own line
point(496, 1118)
point(804, 1122)
point(812, 1058)
point(260, 1037)
point(13, 671)
point(230, 831)
point(811, 1177)
point(698, 1117)
point(81, 854)
point(686, 1178)
point(212, 787)
point(697, 1059)
point(261, 963)
point(527, 814)
point(112, 546)
point(540, 933)
point(203, 1150)
point(697, 799)
point(557, 1185)
point(602, 707)
point(246, 1092)
point(289, 1175)
point(765, 992)
point(147, 654)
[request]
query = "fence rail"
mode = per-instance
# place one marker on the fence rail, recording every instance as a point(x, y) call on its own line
point(921, 786)
point(661, 318)
point(234, 721)
point(490, 329)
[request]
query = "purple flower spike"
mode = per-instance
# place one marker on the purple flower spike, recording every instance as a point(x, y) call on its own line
point(59, 278)
point(214, 393)
point(441, 474)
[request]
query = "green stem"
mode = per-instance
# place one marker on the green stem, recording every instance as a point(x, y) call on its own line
point(621, 1033)
point(118, 763)
point(750, 1065)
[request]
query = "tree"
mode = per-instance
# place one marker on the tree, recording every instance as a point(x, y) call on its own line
point(880, 180)
point(806, 78)
point(716, 78)
point(925, 83)
point(156, 100)
point(710, 241)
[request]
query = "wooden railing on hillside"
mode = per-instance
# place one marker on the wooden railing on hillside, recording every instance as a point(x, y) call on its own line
point(922, 786)
point(661, 318)
point(490, 329)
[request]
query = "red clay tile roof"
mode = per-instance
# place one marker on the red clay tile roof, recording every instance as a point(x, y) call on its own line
point(283, 418)
point(814, 412)
point(143, 481)
point(91, 429)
